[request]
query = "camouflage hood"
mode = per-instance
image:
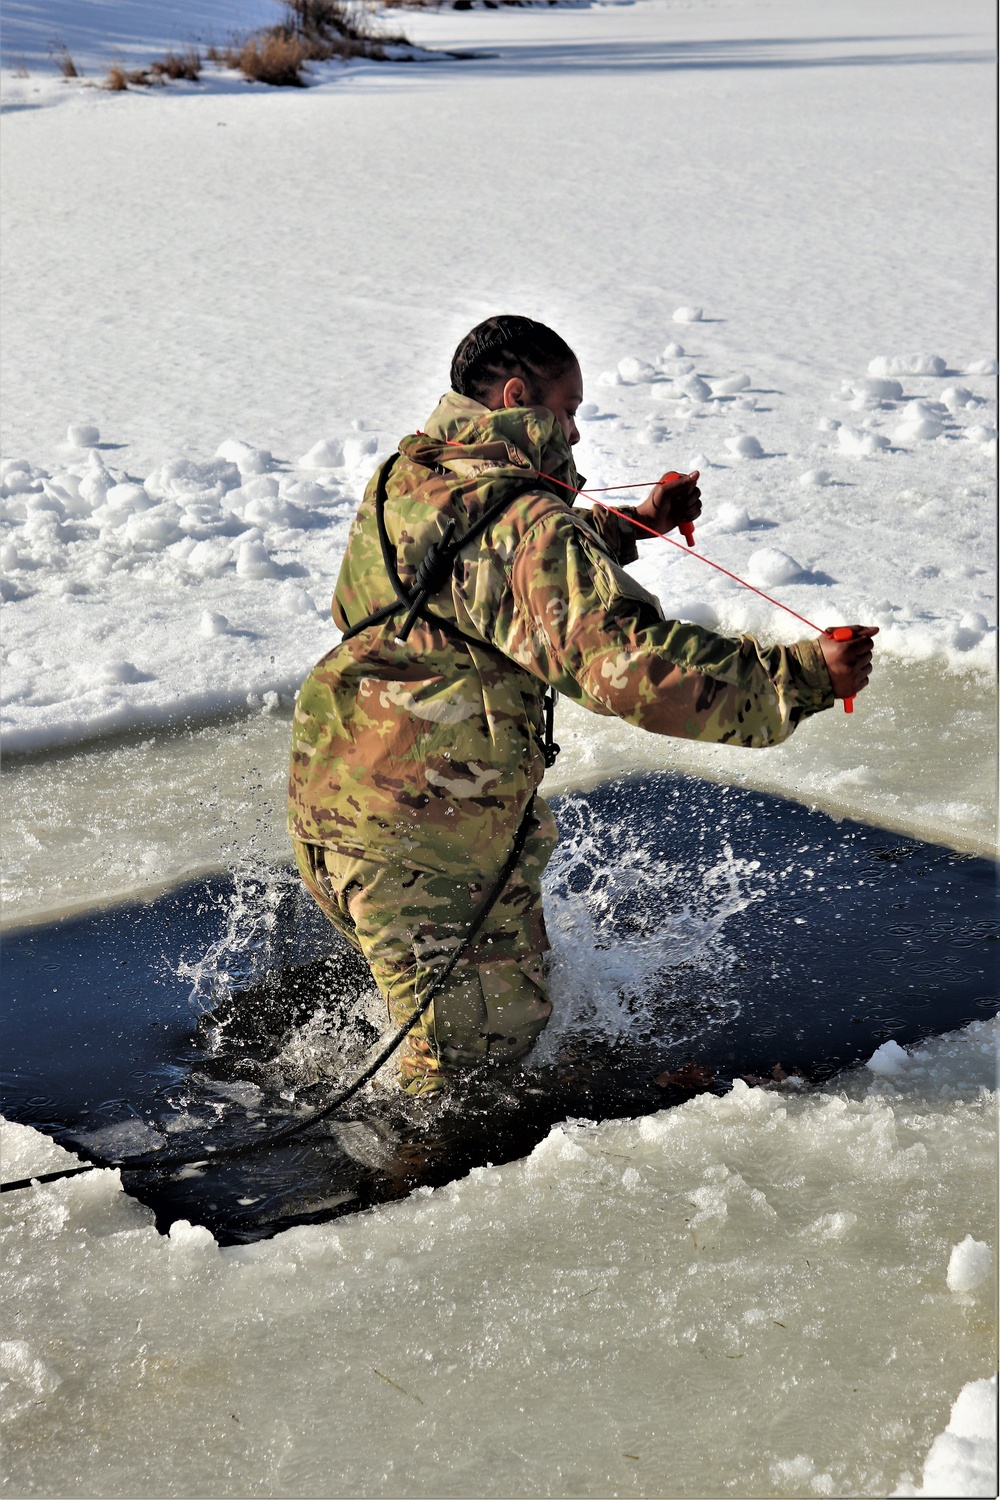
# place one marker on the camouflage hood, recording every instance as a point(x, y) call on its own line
point(467, 438)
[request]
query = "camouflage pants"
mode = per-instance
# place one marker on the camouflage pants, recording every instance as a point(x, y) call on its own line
point(407, 917)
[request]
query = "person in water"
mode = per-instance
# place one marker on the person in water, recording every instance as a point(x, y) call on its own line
point(419, 743)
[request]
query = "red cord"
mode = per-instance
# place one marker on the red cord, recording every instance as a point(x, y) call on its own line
point(633, 521)
point(643, 484)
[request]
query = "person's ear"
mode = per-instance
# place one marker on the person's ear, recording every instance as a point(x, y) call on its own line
point(515, 392)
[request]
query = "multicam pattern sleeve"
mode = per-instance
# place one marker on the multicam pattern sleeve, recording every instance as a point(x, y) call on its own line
point(579, 622)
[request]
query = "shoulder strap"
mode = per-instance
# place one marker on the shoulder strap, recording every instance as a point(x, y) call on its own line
point(435, 567)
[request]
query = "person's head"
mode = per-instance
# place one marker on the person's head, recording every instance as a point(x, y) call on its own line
point(512, 361)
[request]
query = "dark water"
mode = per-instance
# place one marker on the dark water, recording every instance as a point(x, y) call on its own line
point(179, 1012)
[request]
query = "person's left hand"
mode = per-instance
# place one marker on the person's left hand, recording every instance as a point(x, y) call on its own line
point(675, 499)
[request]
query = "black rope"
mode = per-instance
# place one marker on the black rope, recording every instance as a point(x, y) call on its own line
point(435, 567)
point(284, 1133)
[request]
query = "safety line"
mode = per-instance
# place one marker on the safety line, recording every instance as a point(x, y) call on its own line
point(591, 494)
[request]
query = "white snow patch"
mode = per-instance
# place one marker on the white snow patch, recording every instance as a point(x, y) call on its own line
point(636, 371)
point(907, 364)
point(968, 1265)
point(328, 453)
point(688, 315)
point(859, 442)
point(730, 385)
point(248, 460)
point(769, 566)
point(887, 1060)
point(745, 446)
point(963, 1459)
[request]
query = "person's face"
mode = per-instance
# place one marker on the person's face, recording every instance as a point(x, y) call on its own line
point(562, 397)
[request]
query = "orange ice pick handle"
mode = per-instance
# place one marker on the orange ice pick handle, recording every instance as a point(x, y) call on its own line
point(686, 528)
point(843, 633)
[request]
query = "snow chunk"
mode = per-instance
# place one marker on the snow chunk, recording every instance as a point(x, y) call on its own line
point(955, 397)
point(730, 385)
point(112, 673)
point(731, 517)
point(82, 435)
point(968, 1265)
point(125, 499)
point(745, 446)
point(859, 442)
point(211, 623)
point(907, 364)
point(297, 601)
point(769, 566)
point(588, 411)
point(814, 479)
point(191, 1239)
point(182, 478)
point(247, 459)
point(326, 454)
point(688, 315)
point(673, 351)
point(209, 558)
point(887, 1060)
point(963, 1458)
point(980, 434)
point(152, 530)
point(921, 422)
point(609, 377)
point(879, 389)
point(693, 387)
point(254, 561)
point(359, 450)
point(981, 367)
point(635, 371)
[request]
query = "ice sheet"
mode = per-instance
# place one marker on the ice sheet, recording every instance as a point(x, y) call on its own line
point(661, 1306)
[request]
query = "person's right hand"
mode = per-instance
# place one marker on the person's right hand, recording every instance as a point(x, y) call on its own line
point(849, 663)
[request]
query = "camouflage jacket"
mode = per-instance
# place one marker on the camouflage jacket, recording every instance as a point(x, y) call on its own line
point(434, 746)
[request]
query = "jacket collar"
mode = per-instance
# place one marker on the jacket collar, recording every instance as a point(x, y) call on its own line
point(519, 437)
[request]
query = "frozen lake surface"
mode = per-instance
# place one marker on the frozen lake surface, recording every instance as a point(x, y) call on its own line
point(221, 305)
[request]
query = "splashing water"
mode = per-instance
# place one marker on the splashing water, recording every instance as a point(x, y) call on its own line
point(624, 923)
point(246, 948)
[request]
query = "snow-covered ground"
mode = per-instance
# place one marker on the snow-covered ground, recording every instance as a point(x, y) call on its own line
point(767, 1294)
point(250, 295)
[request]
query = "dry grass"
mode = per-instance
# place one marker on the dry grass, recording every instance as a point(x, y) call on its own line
point(119, 79)
point(66, 65)
point(185, 65)
point(179, 65)
point(269, 59)
point(311, 31)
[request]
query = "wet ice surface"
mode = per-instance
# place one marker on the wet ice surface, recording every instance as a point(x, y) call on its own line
point(585, 1321)
point(917, 756)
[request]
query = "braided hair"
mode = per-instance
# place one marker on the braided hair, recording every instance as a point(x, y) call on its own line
point(507, 348)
